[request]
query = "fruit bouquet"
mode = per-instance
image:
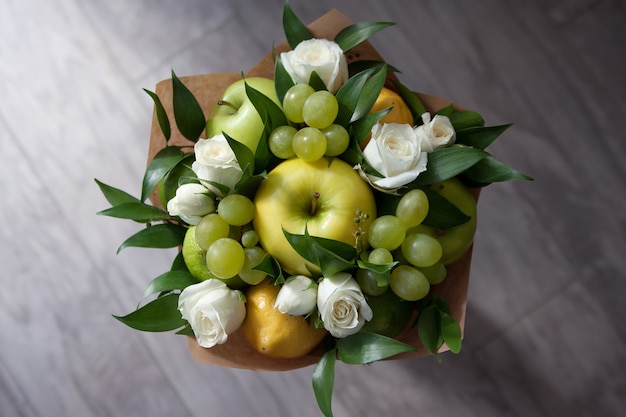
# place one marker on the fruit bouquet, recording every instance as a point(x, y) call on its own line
point(323, 210)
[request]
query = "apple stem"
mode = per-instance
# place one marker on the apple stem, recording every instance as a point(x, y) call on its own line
point(226, 103)
point(316, 197)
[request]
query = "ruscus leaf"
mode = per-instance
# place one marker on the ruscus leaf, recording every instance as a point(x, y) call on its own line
point(295, 30)
point(363, 347)
point(480, 137)
point(159, 236)
point(170, 281)
point(490, 170)
point(356, 33)
point(160, 315)
point(161, 115)
point(136, 211)
point(451, 332)
point(428, 328)
point(188, 114)
point(323, 382)
point(446, 163)
point(166, 159)
point(115, 196)
point(415, 104)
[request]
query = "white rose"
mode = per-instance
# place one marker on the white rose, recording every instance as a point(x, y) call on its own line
point(342, 305)
point(297, 296)
point(395, 152)
point(216, 162)
point(191, 203)
point(213, 310)
point(435, 133)
point(320, 55)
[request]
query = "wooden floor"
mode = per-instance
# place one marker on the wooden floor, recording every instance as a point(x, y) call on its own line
point(545, 332)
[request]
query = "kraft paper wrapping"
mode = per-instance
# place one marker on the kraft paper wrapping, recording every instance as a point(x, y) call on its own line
point(207, 89)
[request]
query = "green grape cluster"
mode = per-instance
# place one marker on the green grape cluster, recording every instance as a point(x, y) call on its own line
point(418, 256)
point(230, 243)
point(316, 134)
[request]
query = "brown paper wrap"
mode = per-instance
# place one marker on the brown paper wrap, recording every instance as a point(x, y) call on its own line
point(207, 89)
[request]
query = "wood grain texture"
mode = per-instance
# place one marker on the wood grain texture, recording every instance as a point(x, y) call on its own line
point(544, 331)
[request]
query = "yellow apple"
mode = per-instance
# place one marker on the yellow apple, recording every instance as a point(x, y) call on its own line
point(455, 241)
point(321, 196)
point(235, 114)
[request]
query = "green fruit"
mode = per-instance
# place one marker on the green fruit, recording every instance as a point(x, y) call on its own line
point(391, 314)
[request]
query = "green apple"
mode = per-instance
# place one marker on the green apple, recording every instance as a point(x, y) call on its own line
point(320, 196)
point(235, 114)
point(455, 241)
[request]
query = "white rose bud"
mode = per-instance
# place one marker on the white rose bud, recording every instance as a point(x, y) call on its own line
point(216, 162)
point(191, 203)
point(341, 304)
point(297, 296)
point(213, 310)
point(435, 133)
point(395, 152)
point(324, 57)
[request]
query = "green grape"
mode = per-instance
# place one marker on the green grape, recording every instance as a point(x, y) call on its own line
point(225, 258)
point(320, 109)
point(309, 144)
point(254, 256)
point(421, 250)
point(249, 238)
point(386, 232)
point(280, 142)
point(210, 228)
point(408, 283)
point(413, 207)
point(371, 282)
point(337, 138)
point(294, 100)
point(380, 256)
point(236, 209)
point(435, 273)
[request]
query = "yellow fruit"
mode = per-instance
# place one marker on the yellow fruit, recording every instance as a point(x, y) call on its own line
point(273, 333)
point(400, 112)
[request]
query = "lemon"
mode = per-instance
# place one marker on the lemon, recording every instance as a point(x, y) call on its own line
point(195, 259)
point(400, 112)
point(391, 314)
point(273, 333)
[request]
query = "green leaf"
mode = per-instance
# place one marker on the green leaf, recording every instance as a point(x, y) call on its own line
point(170, 281)
point(271, 267)
point(348, 96)
point(363, 347)
point(282, 80)
point(446, 163)
point(159, 236)
point(136, 211)
point(265, 105)
point(160, 315)
point(466, 119)
point(442, 214)
point(490, 170)
point(356, 33)
point(370, 93)
point(323, 382)
point(243, 154)
point(316, 82)
point(115, 196)
point(164, 121)
point(451, 332)
point(415, 104)
point(166, 159)
point(480, 137)
point(428, 327)
point(331, 256)
point(446, 111)
point(295, 30)
point(188, 114)
point(361, 128)
point(358, 66)
point(378, 268)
